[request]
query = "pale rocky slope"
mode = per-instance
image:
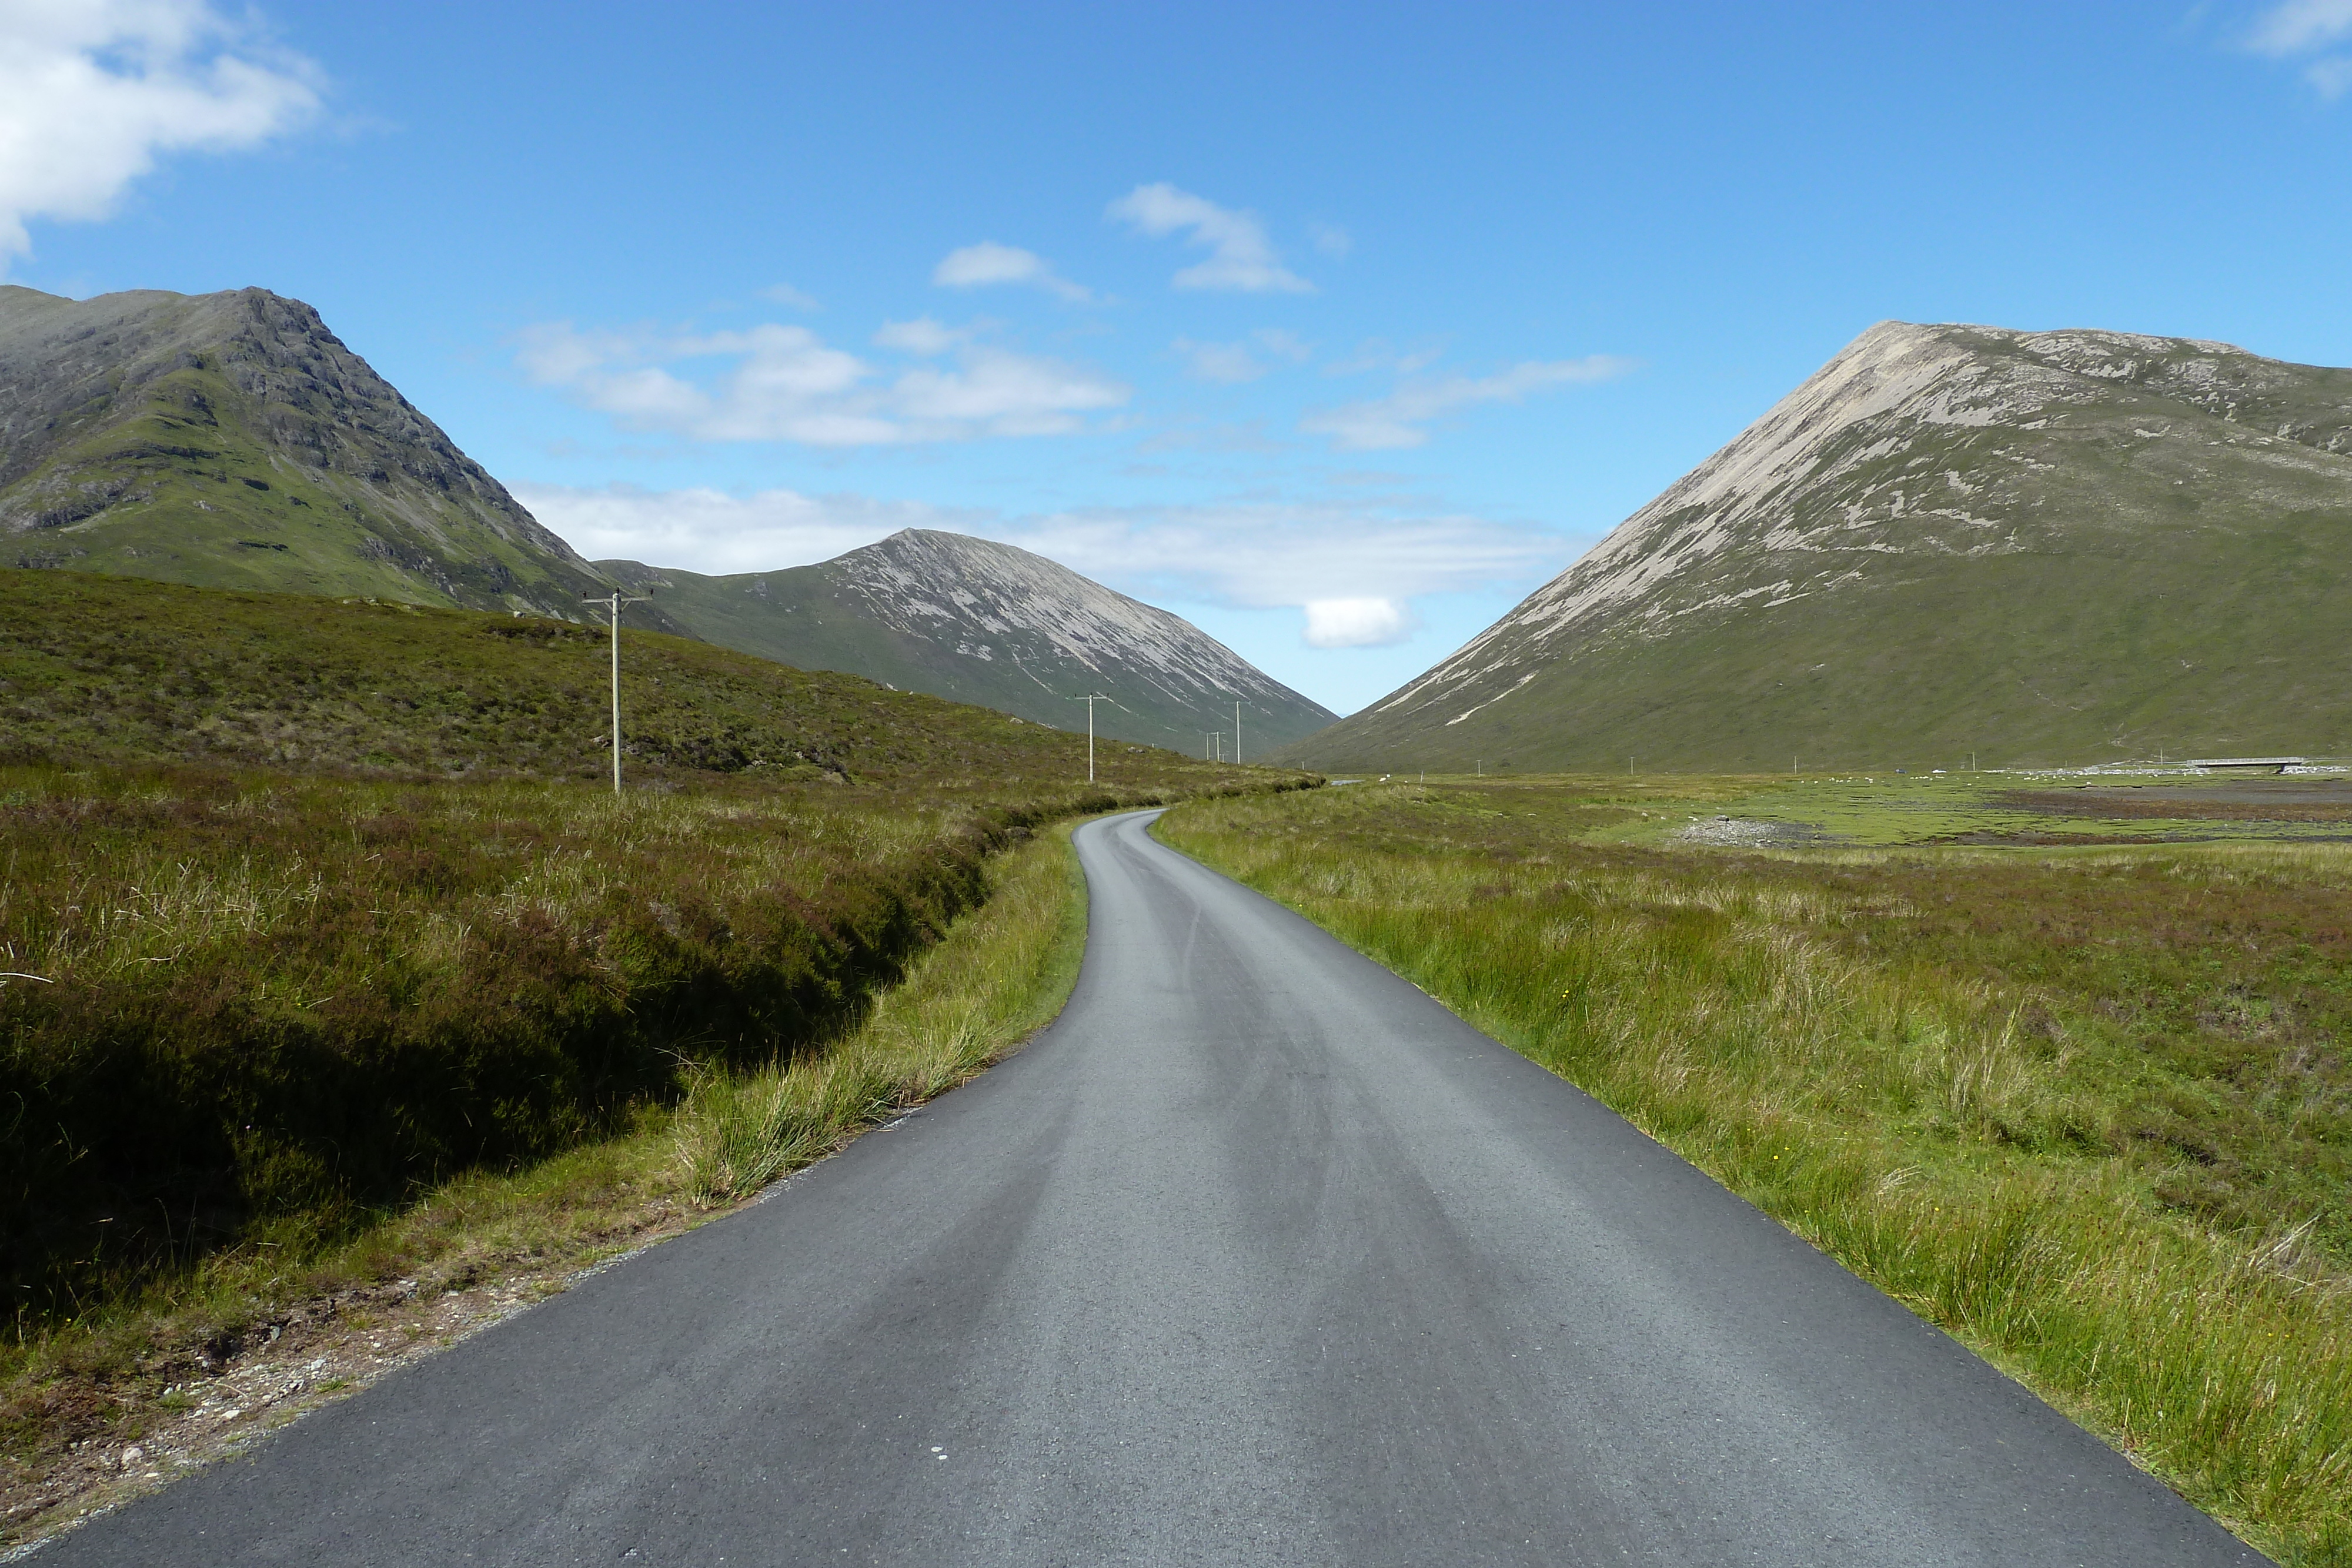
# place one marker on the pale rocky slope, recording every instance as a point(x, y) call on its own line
point(1949, 537)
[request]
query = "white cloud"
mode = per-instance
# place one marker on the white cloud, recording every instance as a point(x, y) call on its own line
point(785, 293)
point(1258, 555)
point(1330, 239)
point(988, 263)
point(2301, 27)
point(1399, 419)
point(1376, 354)
point(711, 531)
point(2332, 76)
point(2295, 26)
point(92, 92)
point(1240, 256)
point(1239, 361)
point(921, 335)
point(783, 382)
point(1227, 363)
point(1357, 623)
point(1268, 554)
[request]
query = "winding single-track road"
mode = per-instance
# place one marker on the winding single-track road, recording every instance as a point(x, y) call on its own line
point(1257, 1255)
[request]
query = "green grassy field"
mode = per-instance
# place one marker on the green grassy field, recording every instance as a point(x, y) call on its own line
point(98, 670)
point(2087, 1107)
point(2010, 808)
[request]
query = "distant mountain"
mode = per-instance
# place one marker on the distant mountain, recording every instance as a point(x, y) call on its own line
point(987, 623)
point(230, 440)
point(2046, 547)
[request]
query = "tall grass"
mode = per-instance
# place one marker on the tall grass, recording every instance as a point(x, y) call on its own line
point(999, 975)
point(241, 1001)
point(998, 972)
point(1939, 1132)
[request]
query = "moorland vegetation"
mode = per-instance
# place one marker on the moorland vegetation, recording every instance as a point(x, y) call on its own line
point(316, 914)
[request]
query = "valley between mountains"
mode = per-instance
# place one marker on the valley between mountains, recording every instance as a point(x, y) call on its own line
point(1708, 1080)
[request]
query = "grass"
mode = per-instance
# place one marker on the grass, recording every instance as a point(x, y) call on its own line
point(309, 904)
point(2012, 808)
point(2088, 1109)
point(997, 979)
point(1890, 809)
point(243, 1005)
point(998, 973)
point(101, 670)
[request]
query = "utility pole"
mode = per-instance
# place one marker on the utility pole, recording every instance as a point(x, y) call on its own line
point(1237, 732)
point(613, 603)
point(1090, 699)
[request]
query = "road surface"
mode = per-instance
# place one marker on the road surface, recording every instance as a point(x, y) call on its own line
point(1258, 1255)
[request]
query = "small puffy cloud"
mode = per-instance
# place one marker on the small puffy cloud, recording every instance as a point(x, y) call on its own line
point(1357, 623)
point(785, 293)
point(1240, 256)
point(2302, 29)
point(1399, 419)
point(1330, 239)
point(989, 263)
point(92, 93)
point(782, 382)
point(995, 391)
point(1239, 361)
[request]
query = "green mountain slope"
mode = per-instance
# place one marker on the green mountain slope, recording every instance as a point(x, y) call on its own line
point(230, 440)
point(985, 623)
point(96, 669)
point(2039, 548)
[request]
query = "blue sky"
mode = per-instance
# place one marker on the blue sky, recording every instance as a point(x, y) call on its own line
point(1334, 328)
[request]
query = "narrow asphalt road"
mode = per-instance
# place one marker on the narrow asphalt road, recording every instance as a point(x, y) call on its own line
point(1258, 1255)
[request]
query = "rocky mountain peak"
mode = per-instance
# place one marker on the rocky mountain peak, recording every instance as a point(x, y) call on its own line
point(232, 439)
point(1913, 453)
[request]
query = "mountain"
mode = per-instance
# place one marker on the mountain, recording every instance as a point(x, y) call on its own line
point(984, 623)
point(230, 440)
point(2034, 547)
